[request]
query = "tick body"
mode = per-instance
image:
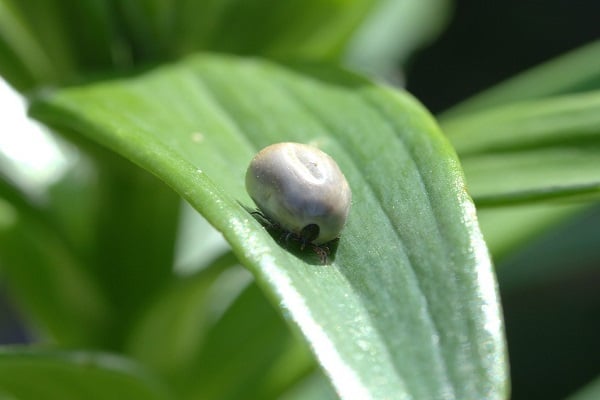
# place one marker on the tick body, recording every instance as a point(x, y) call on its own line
point(301, 189)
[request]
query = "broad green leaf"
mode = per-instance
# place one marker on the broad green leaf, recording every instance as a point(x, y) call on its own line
point(28, 375)
point(407, 305)
point(531, 150)
point(574, 72)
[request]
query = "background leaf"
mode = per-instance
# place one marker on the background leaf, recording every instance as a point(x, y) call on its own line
point(31, 375)
point(546, 252)
point(513, 225)
point(499, 224)
point(589, 392)
point(314, 386)
point(50, 281)
point(225, 339)
point(391, 33)
point(531, 151)
point(574, 72)
point(408, 303)
point(40, 47)
point(81, 291)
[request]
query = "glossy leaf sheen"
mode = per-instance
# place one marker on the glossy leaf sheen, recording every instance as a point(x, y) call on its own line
point(407, 307)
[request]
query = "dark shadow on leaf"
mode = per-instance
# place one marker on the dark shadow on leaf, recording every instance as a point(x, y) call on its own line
point(309, 253)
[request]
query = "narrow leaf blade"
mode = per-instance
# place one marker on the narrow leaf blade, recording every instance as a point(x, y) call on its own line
point(531, 150)
point(574, 72)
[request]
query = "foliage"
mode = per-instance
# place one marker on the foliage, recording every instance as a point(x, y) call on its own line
point(165, 101)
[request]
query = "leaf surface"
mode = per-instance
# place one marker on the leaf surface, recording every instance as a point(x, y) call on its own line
point(407, 305)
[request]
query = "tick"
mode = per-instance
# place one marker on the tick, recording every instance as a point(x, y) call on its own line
point(301, 190)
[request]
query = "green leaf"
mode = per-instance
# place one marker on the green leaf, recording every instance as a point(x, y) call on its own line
point(29, 375)
point(575, 72)
point(191, 254)
point(509, 227)
point(590, 392)
point(306, 29)
point(314, 386)
point(566, 253)
point(184, 312)
point(85, 261)
point(248, 353)
point(225, 340)
point(23, 59)
point(135, 228)
point(392, 31)
point(512, 226)
point(529, 151)
point(46, 276)
point(40, 45)
point(407, 305)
